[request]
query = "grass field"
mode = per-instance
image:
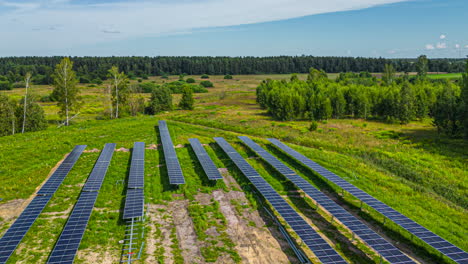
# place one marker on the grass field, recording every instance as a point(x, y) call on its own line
point(445, 76)
point(409, 167)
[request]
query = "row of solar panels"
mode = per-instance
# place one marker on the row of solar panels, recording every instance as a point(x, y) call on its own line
point(23, 223)
point(366, 234)
point(174, 170)
point(134, 200)
point(443, 246)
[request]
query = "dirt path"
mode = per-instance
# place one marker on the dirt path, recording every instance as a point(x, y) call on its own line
point(186, 232)
point(159, 234)
point(254, 243)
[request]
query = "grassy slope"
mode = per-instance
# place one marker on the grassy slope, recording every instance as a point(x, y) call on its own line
point(346, 147)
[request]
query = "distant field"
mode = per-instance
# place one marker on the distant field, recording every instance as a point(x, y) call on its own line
point(445, 76)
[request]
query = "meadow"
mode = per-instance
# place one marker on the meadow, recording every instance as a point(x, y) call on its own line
point(410, 167)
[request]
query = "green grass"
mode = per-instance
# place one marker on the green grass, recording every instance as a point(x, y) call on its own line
point(445, 76)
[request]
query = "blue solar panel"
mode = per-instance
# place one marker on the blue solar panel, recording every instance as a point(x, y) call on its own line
point(172, 163)
point(20, 227)
point(136, 176)
point(324, 252)
point(100, 168)
point(375, 241)
point(70, 238)
point(134, 204)
point(207, 163)
point(446, 248)
point(61, 172)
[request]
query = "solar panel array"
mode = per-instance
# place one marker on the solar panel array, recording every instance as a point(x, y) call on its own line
point(135, 199)
point(61, 172)
point(324, 252)
point(172, 163)
point(70, 238)
point(67, 245)
point(20, 227)
point(446, 248)
point(96, 177)
point(136, 177)
point(134, 202)
point(207, 163)
point(374, 240)
point(18, 230)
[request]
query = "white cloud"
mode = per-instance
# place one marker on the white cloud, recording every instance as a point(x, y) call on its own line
point(457, 46)
point(466, 46)
point(430, 47)
point(86, 24)
point(441, 45)
point(443, 36)
point(392, 51)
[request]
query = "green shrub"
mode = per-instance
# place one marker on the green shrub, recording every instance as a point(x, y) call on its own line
point(190, 80)
point(140, 80)
point(177, 87)
point(161, 100)
point(5, 85)
point(165, 76)
point(97, 81)
point(205, 76)
point(147, 87)
point(227, 77)
point(206, 84)
point(19, 85)
point(313, 126)
point(186, 102)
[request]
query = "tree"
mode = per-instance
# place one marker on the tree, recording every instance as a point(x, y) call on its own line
point(65, 88)
point(422, 66)
point(388, 76)
point(34, 118)
point(7, 116)
point(446, 112)
point(406, 111)
point(27, 79)
point(119, 88)
point(187, 101)
point(136, 102)
point(161, 100)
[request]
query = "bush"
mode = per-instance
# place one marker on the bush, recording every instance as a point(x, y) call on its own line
point(97, 81)
point(205, 76)
point(161, 100)
point(227, 77)
point(140, 80)
point(147, 87)
point(313, 126)
point(84, 79)
point(35, 117)
point(19, 85)
point(206, 84)
point(186, 102)
point(190, 80)
point(164, 76)
point(5, 85)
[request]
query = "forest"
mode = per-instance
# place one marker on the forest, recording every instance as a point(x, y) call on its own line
point(94, 69)
point(352, 95)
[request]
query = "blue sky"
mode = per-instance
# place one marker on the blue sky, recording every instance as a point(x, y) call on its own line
point(368, 28)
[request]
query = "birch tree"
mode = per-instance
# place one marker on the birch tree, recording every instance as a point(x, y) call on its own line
point(119, 88)
point(27, 80)
point(65, 88)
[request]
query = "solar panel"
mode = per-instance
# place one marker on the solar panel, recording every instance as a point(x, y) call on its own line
point(172, 163)
point(446, 248)
point(67, 245)
point(100, 168)
point(136, 176)
point(207, 163)
point(20, 227)
point(324, 252)
point(134, 203)
point(374, 240)
point(61, 172)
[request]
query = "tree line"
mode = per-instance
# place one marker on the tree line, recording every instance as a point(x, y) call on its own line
point(391, 98)
point(95, 69)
